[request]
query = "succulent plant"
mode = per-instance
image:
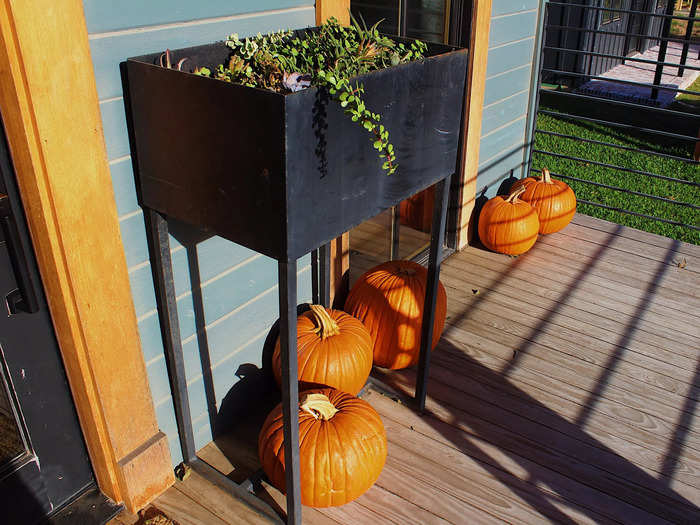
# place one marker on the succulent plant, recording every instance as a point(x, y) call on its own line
point(328, 57)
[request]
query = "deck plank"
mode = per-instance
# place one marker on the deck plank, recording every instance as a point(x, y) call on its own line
point(661, 368)
point(642, 246)
point(623, 397)
point(616, 261)
point(606, 472)
point(637, 303)
point(566, 321)
point(547, 269)
point(593, 224)
point(473, 445)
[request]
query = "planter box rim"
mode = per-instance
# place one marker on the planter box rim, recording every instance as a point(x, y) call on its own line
point(148, 60)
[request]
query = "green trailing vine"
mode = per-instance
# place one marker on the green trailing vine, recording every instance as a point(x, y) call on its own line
point(328, 57)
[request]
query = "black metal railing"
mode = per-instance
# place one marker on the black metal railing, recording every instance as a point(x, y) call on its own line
point(609, 119)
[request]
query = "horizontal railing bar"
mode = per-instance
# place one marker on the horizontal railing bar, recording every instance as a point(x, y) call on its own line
point(619, 57)
point(660, 87)
point(627, 11)
point(623, 103)
point(617, 146)
point(617, 33)
point(617, 168)
point(624, 190)
point(620, 125)
point(643, 215)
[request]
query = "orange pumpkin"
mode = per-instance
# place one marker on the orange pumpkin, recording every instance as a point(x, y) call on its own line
point(389, 299)
point(553, 199)
point(334, 350)
point(508, 225)
point(342, 447)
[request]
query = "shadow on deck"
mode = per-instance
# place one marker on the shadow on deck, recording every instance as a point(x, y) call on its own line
point(564, 389)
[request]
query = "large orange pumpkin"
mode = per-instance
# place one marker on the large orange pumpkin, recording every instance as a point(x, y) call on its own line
point(342, 447)
point(554, 200)
point(509, 225)
point(389, 299)
point(334, 350)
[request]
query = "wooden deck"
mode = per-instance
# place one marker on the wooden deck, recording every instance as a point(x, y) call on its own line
point(563, 390)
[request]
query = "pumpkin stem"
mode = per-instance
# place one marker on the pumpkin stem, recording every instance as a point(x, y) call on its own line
point(319, 406)
point(513, 197)
point(327, 326)
point(546, 177)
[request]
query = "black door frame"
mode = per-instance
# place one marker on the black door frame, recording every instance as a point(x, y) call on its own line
point(55, 468)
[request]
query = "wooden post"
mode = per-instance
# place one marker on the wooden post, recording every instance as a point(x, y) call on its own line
point(52, 119)
point(340, 9)
point(473, 108)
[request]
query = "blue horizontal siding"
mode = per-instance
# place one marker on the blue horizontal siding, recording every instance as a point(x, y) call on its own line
point(507, 84)
point(493, 172)
point(506, 101)
point(509, 56)
point(110, 15)
point(238, 287)
point(109, 50)
point(114, 126)
point(133, 231)
point(502, 141)
point(513, 27)
point(504, 111)
point(504, 7)
point(124, 187)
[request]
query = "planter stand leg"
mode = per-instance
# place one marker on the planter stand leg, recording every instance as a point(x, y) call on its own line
point(437, 238)
point(290, 389)
point(324, 253)
point(395, 233)
point(162, 268)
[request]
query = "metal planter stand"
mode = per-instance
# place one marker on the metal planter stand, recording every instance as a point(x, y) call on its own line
point(303, 175)
point(161, 263)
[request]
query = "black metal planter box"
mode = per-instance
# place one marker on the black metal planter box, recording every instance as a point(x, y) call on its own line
point(284, 174)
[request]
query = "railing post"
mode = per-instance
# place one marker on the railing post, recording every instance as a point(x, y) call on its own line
point(688, 35)
point(663, 46)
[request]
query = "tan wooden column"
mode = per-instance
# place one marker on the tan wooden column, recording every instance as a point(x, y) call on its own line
point(337, 8)
point(49, 106)
point(473, 109)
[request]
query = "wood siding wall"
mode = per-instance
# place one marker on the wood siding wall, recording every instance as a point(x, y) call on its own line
point(506, 102)
point(238, 287)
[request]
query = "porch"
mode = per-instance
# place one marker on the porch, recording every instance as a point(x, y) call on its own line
point(564, 389)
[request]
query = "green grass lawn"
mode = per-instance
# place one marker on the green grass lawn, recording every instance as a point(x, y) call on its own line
point(686, 102)
point(678, 27)
point(629, 159)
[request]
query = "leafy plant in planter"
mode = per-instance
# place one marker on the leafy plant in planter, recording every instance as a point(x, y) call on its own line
point(329, 57)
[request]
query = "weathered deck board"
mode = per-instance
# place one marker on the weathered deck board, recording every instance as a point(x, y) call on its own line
point(636, 359)
point(565, 390)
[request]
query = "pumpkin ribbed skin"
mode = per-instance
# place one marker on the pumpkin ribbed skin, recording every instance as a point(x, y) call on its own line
point(389, 299)
point(340, 457)
point(509, 225)
point(341, 360)
point(554, 201)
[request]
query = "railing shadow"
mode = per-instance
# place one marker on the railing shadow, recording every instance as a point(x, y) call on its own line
point(638, 495)
point(561, 460)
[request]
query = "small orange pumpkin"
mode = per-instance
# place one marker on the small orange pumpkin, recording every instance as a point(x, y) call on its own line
point(553, 199)
point(334, 350)
point(508, 225)
point(342, 447)
point(389, 299)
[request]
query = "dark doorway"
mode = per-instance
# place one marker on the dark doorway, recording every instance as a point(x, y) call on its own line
point(43, 460)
